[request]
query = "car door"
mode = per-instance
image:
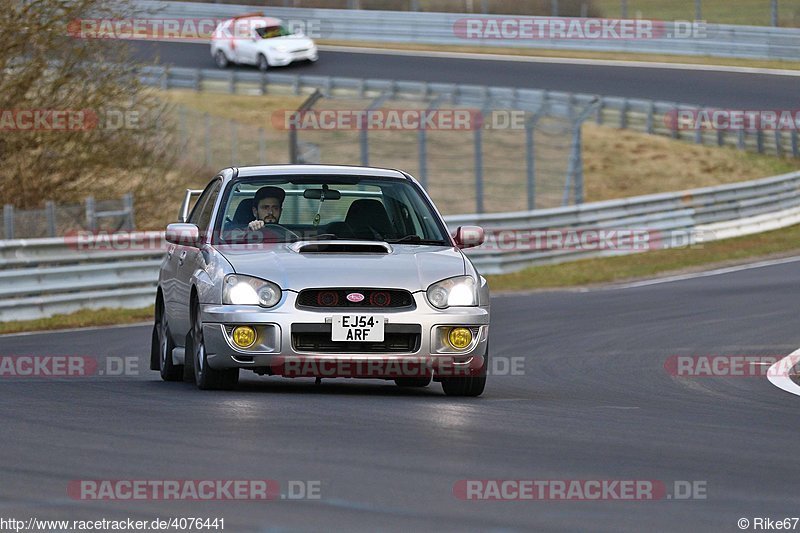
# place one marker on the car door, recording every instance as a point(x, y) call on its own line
point(189, 258)
point(247, 48)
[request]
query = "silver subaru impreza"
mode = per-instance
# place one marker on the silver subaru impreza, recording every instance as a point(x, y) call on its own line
point(316, 271)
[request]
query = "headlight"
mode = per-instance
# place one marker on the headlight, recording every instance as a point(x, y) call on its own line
point(246, 290)
point(454, 292)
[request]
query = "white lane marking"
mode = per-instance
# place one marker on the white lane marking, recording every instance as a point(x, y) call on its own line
point(89, 328)
point(717, 272)
point(778, 374)
point(562, 60)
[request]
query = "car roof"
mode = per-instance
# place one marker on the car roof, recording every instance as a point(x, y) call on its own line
point(268, 21)
point(322, 170)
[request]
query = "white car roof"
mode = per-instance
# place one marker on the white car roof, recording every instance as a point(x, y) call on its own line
point(257, 21)
point(269, 170)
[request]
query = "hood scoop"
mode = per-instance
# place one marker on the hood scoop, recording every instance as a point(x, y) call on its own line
point(341, 247)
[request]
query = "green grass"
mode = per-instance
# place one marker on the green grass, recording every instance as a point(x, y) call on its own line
point(748, 12)
point(784, 241)
point(80, 319)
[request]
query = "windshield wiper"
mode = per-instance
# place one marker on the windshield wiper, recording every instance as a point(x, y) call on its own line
point(416, 239)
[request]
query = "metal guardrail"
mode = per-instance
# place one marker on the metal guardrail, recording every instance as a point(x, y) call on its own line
point(42, 277)
point(647, 116)
point(719, 40)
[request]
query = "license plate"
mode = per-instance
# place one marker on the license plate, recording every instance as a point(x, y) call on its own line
point(357, 328)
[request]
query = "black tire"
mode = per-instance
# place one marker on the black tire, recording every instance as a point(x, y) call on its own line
point(471, 386)
point(414, 382)
point(262, 63)
point(169, 371)
point(221, 60)
point(205, 377)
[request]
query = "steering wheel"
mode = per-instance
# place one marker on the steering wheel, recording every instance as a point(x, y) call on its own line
point(280, 230)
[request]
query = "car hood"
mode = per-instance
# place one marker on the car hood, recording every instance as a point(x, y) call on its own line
point(290, 43)
point(413, 268)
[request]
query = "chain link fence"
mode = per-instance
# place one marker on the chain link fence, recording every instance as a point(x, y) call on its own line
point(59, 220)
point(471, 159)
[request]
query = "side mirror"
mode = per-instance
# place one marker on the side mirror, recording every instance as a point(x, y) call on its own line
point(183, 235)
point(469, 236)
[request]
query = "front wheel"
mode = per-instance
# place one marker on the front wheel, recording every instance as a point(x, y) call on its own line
point(468, 386)
point(263, 64)
point(205, 377)
point(169, 371)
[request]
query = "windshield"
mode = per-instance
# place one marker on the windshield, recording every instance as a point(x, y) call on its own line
point(290, 209)
point(273, 31)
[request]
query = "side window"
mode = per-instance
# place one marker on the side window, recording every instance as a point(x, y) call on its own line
point(201, 215)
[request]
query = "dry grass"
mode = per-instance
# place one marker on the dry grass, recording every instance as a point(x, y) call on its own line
point(80, 319)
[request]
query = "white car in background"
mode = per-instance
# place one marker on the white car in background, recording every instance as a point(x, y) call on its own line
point(260, 41)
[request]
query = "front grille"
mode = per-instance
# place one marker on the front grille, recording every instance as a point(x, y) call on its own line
point(398, 338)
point(372, 299)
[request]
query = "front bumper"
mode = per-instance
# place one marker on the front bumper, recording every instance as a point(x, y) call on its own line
point(281, 59)
point(276, 352)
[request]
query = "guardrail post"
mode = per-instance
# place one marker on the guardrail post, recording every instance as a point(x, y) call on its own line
point(740, 140)
point(778, 143)
point(91, 217)
point(479, 170)
point(599, 112)
point(296, 85)
point(698, 134)
point(674, 123)
point(262, 146)
point(720, 137)
point(127, 205)
point(50, 214)
point(651, 111)
point(165, 79)
point(198, 80)
point(760, 141)
point(8, 220)
point(232, 82)
point(795, 150)
point(623, 118)
point(262, 87)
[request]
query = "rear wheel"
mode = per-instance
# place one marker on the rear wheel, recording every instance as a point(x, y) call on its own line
point(221, 59)
point(207, 378)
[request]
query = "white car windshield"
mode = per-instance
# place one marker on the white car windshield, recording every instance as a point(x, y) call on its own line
point(329, 208)
point(270, 32)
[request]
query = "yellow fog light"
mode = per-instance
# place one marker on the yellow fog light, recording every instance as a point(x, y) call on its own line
point(459, 338)
point(244, 336)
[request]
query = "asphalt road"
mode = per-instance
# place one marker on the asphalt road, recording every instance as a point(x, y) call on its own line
point(595, 402)
point(723, 89)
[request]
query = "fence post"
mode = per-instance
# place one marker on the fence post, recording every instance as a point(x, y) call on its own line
point(554, 8)
point(778, 143)
point(262, 146)
point(624, 9)
point(198, 80)
point(698, 9)
point(91, 217)
point(775, 13)
point(207, 138)
point(675, 124)
point(50, 213)
point(623, 119)
point(8, 220)
point(234, 143)
point(294, 155)
point(479, 170)
point(530, 166)
point(651, 111)
point(575, 171)
point(760, 141)
point(232, 82)
point(740, 142)
point(795, 151)
point(130, 219)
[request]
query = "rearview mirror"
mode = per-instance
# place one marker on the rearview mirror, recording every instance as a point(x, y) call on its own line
point(183, 235)
point(317, 194)
point(469, 236)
